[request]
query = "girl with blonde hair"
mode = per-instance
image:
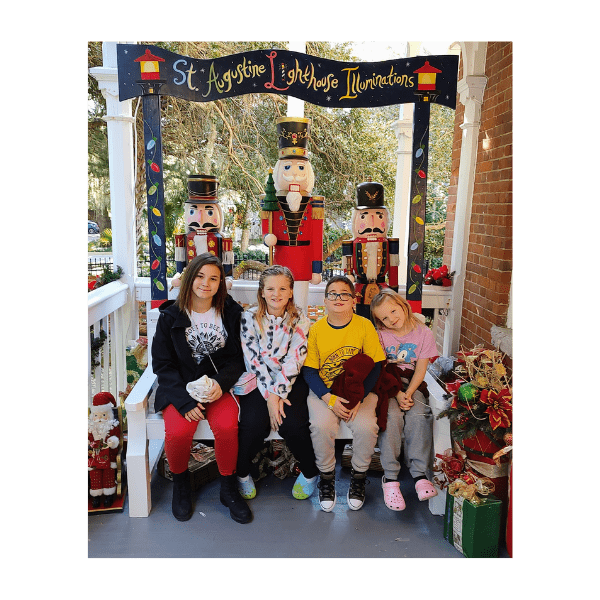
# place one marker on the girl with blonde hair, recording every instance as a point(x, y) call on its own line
point(274, 340)
point(409, 344)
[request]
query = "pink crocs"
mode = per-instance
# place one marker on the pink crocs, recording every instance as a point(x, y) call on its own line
point(425, 489)
point(392, 496)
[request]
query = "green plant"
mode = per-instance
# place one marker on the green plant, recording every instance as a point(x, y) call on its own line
point(106, 238)
point(258, 255)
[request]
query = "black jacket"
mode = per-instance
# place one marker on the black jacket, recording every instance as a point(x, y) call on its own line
point(174, 365)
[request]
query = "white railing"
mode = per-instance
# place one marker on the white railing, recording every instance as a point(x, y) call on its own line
point(244, 291)
point(105, 314)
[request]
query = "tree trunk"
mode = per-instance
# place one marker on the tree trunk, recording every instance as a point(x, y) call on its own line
point(245, 239)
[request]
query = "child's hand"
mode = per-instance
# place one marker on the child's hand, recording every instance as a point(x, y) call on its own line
point(195, 414)
point(275, 405)
point(352, 413)
point(404, 401)
point(339, 410)
point(214, 393)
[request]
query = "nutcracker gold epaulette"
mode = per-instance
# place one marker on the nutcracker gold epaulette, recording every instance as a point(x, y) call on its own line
point(318, 207)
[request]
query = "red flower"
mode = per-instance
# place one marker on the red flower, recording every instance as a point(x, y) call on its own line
point(499, 407)
point(446, 282)
point(452, 386)
point(92, 285)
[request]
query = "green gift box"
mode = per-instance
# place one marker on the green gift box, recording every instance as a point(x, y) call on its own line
point(473, 529)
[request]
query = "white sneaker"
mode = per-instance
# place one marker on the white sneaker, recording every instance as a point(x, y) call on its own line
point(356, 491)
point(327, 496)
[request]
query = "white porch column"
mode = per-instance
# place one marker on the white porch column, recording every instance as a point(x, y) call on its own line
point(470, 89)
point(122, 179)
point(403, 130)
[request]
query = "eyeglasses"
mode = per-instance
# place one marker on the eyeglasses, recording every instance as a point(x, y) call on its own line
point(333, 296)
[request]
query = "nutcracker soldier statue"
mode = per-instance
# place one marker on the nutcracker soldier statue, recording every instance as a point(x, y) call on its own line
point(370, 256)
point(104, 435)
point(203, 222)
point(294, 231)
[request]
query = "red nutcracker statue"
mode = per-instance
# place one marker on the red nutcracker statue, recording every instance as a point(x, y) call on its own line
point(104, 435)
point(295, 229)
point(203, 221)
point(371, 256)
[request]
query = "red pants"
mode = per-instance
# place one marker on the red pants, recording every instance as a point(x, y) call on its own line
point(222, 416)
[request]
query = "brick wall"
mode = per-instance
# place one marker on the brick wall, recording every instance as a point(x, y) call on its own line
point(489, 257)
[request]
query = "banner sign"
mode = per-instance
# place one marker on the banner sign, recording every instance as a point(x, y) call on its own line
point(147, 70)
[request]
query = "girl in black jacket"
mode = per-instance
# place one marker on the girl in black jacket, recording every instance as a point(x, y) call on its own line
point(199, 334)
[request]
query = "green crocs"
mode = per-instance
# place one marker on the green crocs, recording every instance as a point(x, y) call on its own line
point(303, 488)
point(247, 489)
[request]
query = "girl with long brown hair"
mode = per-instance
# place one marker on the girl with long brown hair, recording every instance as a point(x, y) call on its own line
point(199, 335)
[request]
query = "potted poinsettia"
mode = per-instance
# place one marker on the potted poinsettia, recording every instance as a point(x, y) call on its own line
point(439, 276)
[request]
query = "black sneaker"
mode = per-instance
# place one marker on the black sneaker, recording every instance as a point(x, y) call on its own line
point(326, 485)
point(356, 492)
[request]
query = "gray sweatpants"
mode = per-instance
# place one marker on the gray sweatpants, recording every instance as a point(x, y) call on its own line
point(324, 426)
point(417, 424)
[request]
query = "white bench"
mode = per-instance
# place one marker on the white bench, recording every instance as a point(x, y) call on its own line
point(143, 426)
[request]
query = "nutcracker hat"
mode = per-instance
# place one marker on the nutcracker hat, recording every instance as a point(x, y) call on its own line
point(292, 137)
point(369, 194)
point(102, 401)
point(202, 189)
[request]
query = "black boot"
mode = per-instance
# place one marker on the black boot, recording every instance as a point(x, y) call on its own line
point(230, 497)
point(182, 496)
point(108, 500)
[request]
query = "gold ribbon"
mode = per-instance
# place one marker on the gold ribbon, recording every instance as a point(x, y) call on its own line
point(482, 486)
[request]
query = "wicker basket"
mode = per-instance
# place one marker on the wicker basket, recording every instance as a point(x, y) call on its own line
point(202, 465)
point(375, 459)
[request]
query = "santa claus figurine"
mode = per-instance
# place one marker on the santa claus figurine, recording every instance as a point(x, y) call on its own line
point(104, 435)
point(371, 258)
point(203, 222)
point(295, 229)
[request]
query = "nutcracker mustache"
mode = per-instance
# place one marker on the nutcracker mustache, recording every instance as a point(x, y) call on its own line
point(195, 226)
point(372, 230)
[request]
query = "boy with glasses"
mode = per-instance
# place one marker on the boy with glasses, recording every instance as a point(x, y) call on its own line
point(332, 340)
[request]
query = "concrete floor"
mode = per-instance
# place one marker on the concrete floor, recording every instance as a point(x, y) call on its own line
point(282, 527)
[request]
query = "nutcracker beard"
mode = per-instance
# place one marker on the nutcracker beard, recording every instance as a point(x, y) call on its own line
point(294, 199)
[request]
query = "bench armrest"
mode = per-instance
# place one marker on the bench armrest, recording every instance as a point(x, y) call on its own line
point(137, 400)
